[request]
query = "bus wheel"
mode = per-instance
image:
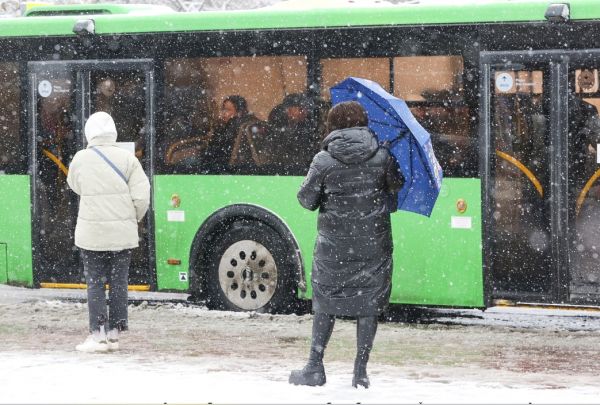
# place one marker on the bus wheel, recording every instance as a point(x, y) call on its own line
point(250, 270)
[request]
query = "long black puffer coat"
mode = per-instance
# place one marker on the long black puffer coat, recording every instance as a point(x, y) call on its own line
point(352, 182)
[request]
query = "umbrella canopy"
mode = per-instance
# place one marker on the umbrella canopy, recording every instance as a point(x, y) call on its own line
point(393, 123)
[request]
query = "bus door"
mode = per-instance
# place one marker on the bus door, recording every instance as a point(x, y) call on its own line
point(62, 96)
point(583, 183)
point(541, 191)
point(519, 207)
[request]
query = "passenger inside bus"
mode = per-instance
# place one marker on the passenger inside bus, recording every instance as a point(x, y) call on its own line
point(236, 139)
point(122, 96)
point(445, 121)
point(187, 130)
point(584, 130)
point(584, 191)
point(248, 149)
point(56, 149)
point(187, 148)
point(294, 137)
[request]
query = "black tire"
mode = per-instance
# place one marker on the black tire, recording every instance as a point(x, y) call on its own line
point(250, 269)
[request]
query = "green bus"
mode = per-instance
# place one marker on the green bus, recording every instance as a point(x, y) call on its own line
point(509, 91)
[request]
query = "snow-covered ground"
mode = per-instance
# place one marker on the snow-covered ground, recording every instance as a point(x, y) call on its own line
point(65, 377)
point(176, 353)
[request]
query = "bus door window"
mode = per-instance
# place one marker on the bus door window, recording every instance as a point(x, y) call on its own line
point(520, 242)
point(583, 184)
point(56, 146)
point(195, 126)
point(12, 156)
point(123, 96)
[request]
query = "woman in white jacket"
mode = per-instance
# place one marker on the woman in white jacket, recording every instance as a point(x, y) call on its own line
point(114, 196)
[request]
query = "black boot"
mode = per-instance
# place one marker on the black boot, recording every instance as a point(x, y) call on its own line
point(313, 374)
point(360, 376)
point(366, 327)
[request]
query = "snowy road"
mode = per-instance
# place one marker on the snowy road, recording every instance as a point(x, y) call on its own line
point(180, 354)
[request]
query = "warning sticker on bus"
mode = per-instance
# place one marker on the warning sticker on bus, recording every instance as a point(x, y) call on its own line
point(175, 216)
point(461, 222)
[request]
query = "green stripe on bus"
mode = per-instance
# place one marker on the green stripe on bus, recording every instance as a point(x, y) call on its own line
point(408, 14)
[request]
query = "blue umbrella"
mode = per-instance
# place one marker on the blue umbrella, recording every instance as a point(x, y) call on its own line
point(393, 123)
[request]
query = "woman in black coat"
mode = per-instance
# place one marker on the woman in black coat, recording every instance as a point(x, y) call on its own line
point(353, 181)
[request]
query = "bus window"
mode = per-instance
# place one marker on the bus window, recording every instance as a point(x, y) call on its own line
point(432, 85)
point(334, 71)
point(188, 116)
point(12, 158)
point(266, 98)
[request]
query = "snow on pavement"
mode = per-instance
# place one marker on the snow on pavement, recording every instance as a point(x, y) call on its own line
point(176, 353)
point(67, 377)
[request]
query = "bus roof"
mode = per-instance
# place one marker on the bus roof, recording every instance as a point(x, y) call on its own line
point(413, 13)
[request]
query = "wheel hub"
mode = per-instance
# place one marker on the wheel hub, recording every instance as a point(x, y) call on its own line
point(248, 274)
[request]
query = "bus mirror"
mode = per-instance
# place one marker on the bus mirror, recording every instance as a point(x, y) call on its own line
point(558, 12)
point(84, 27)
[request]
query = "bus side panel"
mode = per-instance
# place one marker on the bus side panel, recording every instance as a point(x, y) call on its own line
point(435, 264)
point(15, 228)
point(438, 260)
point(201, 196)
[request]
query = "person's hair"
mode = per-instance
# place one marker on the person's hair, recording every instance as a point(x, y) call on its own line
point(239, 102)
point(296, 100)
point(346, 115)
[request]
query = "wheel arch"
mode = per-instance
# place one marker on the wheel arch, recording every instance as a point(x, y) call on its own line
point(221, 220)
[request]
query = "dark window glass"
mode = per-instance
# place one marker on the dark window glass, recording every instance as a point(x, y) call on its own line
point(239, 115)
point(584, 186)
point(123, 96)
point(12, 157)
point(433, 87)
point(520, 189)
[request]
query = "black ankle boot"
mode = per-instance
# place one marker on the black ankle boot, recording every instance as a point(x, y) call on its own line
point(312, 375)
point(360, 374)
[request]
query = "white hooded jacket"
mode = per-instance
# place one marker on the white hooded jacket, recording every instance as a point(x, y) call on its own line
point(109, 207)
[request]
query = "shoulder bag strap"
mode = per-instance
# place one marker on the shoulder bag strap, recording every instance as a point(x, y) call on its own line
point(111, 164)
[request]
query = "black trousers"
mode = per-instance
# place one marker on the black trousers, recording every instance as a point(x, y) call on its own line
point(112, 268)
